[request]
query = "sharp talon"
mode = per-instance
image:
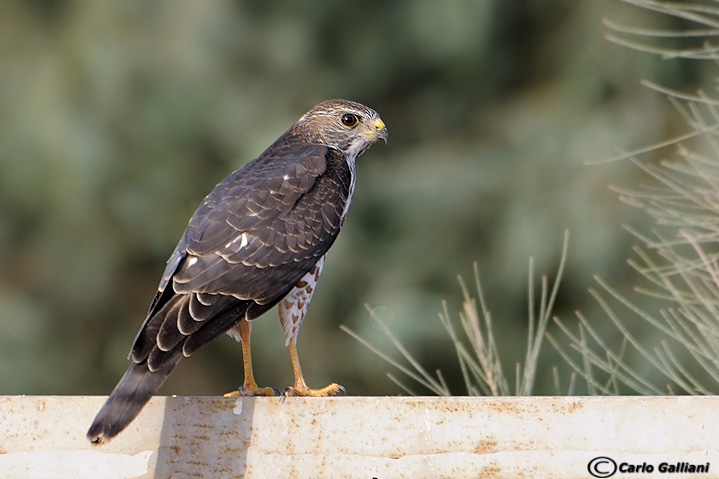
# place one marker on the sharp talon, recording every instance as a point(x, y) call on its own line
point(235, 393)
point(253, 391)
point(341, 390)
point(303, 391)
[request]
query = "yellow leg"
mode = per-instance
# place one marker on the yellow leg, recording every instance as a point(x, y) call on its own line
point(300, 388)
point(249, 386)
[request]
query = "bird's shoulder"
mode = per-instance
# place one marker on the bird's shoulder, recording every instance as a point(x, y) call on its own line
point(269, 188)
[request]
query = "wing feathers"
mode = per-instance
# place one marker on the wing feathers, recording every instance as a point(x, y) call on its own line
point(168, 336)
point(276, 226)
point(252, 238)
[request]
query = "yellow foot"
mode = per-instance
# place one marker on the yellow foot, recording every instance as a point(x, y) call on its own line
point(252, 391)
point(332, 390)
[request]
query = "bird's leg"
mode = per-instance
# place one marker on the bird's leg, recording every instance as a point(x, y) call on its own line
point(300, 388)
point(292, 311)
point(249, 386)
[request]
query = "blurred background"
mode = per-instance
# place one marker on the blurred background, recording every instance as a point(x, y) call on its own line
point(117, 117)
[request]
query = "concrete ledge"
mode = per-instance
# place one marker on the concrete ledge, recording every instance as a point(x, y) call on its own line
point(365, 437)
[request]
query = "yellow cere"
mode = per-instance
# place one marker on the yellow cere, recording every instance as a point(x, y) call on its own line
point(378, 124)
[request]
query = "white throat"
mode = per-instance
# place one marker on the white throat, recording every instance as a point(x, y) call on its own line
point(351, 157)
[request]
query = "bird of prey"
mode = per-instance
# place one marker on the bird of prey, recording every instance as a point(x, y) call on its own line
point(257, 240)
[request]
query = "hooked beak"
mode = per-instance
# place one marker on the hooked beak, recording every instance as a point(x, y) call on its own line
point(380, 130)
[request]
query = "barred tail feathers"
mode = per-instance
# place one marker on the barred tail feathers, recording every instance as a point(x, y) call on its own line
point(128, 398)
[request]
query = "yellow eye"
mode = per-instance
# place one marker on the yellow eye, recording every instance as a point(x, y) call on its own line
point(350, 120)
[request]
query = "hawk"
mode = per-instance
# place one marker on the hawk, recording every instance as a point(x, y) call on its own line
point(257, 240)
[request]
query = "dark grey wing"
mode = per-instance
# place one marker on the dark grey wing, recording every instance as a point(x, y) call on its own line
point(266, 225)
point(252, 238)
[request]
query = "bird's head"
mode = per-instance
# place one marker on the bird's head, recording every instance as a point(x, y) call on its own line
point(345, 125)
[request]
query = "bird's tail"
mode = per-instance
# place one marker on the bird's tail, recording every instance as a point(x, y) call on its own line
point(129, 397)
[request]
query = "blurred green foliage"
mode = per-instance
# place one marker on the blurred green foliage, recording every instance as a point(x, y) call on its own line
point(117, 117)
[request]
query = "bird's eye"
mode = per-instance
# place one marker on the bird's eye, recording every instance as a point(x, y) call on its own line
point(349, 119)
